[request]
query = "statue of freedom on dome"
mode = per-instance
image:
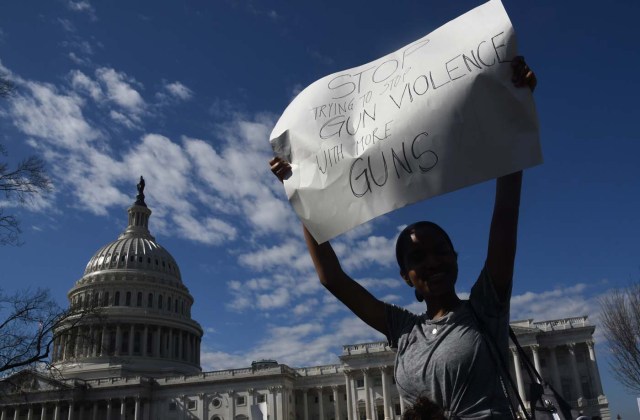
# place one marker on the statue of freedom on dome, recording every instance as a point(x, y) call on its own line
point(140, 196)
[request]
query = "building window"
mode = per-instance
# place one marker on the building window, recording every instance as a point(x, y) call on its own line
point(139, 299)
point(397, 408)
point(116, 299)
point(160, 302)
point(175, 307)
point(168, 303)
point(150, 300)
point(191, 404)
point(216, 402)
point(173, 406)
point(261, 398)
point(105, 299)
point(241, 401)
point(360, 383)
point(377, 381)
point(330, 397)
point(127, 299)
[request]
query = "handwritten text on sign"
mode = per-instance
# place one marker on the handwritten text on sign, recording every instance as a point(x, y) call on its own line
point(435, 116)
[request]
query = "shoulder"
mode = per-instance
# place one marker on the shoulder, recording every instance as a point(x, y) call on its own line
point(400, 321)
point(484, 297)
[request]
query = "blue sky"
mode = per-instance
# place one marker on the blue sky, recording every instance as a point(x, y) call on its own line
point(186, 93)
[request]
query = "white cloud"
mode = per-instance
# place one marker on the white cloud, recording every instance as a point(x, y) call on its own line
point(278, 298)
point(372, 250)
point(211, 230)
point(120, 91)
point(82, 6)
point(218, 360)
point(289, 254)
point(373, 283)
point(195, 187)
point(79, 45)
point(81, 82)
point(55, 117)
point(305, 307)
point(123, 120)
point(78, 60)
point(179, 91)
point(66, 24)
point(559, 303)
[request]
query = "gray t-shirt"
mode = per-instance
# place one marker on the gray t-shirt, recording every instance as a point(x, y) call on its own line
point(448, 360)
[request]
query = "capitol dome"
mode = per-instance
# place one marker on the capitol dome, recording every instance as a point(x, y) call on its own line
point(135, 249)
point(130, 311)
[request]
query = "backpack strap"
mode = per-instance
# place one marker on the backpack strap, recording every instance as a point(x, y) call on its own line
point(501, 366)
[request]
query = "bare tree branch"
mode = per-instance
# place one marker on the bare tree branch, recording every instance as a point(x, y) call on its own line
point(28, 321)
point(25, 181)
point(620, 315)
point(28, 179)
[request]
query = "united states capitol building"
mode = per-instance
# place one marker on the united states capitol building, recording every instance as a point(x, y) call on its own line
point(139, 357)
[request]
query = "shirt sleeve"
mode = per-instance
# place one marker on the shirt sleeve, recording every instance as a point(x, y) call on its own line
point(485, 300)
point(399, 322)
point(493, 313)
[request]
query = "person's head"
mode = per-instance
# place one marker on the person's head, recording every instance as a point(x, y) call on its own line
point(424, 409)
point(427, 259)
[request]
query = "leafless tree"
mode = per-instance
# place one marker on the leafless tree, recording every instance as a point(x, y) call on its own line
point(620, 317)
point(25, 181)
point(28, 320)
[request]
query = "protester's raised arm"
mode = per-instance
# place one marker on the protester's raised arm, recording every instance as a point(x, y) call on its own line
point(503, 234)
point(504, 223)
point(362, 303)
point(348, 291)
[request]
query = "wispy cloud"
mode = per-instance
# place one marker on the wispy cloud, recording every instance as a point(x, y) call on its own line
point(299, 345)
point(119, 89)
point(66, 24)
point(82, 83)
point(250, 6)
point(82, 6)
point(177, 91)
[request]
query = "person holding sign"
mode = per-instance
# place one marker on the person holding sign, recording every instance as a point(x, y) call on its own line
point(442, 354)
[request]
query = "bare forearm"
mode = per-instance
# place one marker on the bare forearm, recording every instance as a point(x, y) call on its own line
point(504, 231)
point(348, 291)
point(324, 259)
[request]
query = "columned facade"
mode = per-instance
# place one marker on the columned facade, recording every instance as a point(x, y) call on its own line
point(563, 352)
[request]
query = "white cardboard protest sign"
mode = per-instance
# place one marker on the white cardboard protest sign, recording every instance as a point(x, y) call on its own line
point(435, 116)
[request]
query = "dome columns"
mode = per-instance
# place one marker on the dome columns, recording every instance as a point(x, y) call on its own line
point(127, 340)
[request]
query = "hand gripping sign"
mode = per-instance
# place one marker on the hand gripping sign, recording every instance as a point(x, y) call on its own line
point(435, 116)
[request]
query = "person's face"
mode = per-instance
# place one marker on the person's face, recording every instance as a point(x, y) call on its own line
point(430, 263)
